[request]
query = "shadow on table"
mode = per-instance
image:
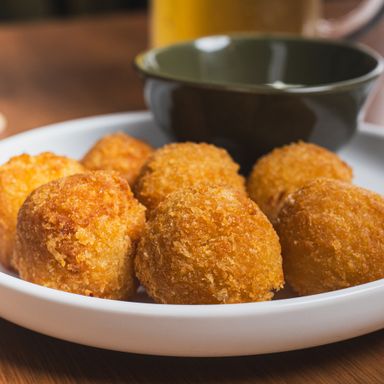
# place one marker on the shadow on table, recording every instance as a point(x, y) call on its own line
point(24, 353)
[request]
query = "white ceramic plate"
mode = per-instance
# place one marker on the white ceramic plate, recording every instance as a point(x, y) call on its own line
point(184, 330)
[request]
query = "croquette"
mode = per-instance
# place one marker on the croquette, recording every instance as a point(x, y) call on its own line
point(79, 233)
point(182, 165)
point(18, 178)
point(118, 152)
point(209, 245)
point(288, 168)
point(332, 236)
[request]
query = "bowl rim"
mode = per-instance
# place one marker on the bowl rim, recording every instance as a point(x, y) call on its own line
point(337, 86)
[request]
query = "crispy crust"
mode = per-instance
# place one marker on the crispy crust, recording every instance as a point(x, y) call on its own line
point(209, 245)
point(182, 165)
point(332, 236)
point(78, 234)
point(286, 169)
point(118, 152)
point(18, 178)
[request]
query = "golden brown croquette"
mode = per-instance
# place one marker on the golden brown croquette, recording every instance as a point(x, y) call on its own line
point(332, 236)
point(18, 178)
point(118, 152)
point(286, 169)
point(209, 245)
point(79, 233)
point(181, 165)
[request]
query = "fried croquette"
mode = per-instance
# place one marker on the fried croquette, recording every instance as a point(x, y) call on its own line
point(78, 234)
point(182, 165)
point(18, 178)
point(282, 171)
point(118, 152)
point(332, 236)
point(209, 245)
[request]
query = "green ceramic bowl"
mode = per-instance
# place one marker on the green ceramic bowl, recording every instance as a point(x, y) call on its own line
point(251, 93)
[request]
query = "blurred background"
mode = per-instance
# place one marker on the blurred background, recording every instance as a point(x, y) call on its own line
point(21, 10)
point(14, 10)
point(64, 59)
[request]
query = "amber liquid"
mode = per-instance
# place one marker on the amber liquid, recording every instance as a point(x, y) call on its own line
point(178, 20)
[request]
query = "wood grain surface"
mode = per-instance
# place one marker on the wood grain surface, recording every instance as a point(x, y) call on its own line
point(60, 70)
point(27, 357)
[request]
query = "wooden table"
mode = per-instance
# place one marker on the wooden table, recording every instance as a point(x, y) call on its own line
point(61, 70)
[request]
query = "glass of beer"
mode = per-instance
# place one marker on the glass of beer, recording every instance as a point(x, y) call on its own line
point(179, 20)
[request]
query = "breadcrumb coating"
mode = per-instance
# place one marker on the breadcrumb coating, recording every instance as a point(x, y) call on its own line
point(209, 245)
point(182, 165)
point(285, 169)
point(118, 152)
point(18, 178)
point(332, 236)
point(79, 233)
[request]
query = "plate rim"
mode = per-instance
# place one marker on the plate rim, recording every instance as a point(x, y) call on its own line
point(166, 310)
point(185, 310)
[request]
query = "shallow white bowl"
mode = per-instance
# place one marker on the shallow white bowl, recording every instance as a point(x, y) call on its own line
point(186, 330)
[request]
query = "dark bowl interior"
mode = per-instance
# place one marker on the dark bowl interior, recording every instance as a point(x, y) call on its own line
point(263, 62)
